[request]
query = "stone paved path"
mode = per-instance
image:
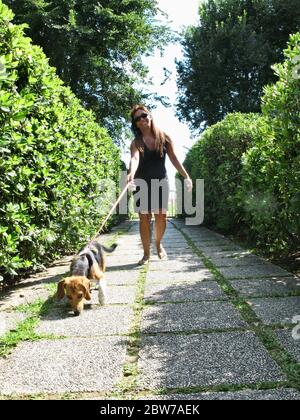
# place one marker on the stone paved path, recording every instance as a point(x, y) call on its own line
point(211, 322)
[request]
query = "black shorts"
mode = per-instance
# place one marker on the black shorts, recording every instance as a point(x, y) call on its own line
point(151, 195)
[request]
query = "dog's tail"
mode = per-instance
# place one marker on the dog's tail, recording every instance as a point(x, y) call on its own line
point(110, 249)
point(99, 254)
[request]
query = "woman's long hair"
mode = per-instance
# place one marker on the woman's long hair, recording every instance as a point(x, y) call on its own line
point(160, 137)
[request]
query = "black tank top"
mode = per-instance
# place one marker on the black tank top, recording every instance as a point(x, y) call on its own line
point(151, 164)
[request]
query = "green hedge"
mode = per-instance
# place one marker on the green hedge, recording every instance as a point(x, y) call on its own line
point(216, 158)
point(53, 155)
point(251, 165)
point(270, 187)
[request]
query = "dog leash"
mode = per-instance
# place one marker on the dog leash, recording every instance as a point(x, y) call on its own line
point(110, 213)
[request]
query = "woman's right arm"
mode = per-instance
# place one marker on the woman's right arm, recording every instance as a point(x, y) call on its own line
point(134, 161)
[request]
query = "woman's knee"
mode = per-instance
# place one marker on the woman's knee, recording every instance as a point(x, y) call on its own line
point(160, 217)
point(145, 217)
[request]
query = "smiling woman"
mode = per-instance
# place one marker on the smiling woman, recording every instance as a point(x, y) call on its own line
point(180, 13)
point(148, 173)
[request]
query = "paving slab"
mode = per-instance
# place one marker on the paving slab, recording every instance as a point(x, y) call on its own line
point(181, 297)
point(167, 242)
point(291, 345)
point(213, 250)
point(200, 243)
point(124, 242)
point(122, 277)
point(124, 262)
point(186, 292)
point(121, 295)
point(232, 255)
point(248, 260)
point(206, 236)
point(124, 251)
point(176, 254)
point(172, 239)
point(276, 310)
point(129, 245)
point(176, 245)
point(173, 236)
point(63, 366)
point(126, 257)
point(176, 361)
point(9, 320)
point(263, 270)
point(181, 276)
point(179, 264)
point(202, 233)
point(190, 317)
point(92, 322)
point(26, 293)
point(267, 287)
point(245, 395)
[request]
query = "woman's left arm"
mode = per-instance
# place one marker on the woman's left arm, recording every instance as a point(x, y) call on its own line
point(180, 168)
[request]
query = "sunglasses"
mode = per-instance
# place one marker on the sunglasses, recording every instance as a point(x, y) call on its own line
point(144, 115)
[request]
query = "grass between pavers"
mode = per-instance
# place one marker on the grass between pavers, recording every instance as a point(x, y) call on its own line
point(266, 334)
point(213, 388)
point(148, 393)
point(276, 295)
point(127, 386)
point(25, 330)
point(288, 262)
point(64, 396)
point(177, 302)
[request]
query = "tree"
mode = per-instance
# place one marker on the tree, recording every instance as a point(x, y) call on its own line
point(228, 57)
point(96, 47)
point(53, 158)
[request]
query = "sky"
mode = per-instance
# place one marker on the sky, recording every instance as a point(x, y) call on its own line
point(181, 13)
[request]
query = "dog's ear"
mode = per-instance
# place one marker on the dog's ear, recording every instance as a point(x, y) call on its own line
point(86, 287)
point(61, 289)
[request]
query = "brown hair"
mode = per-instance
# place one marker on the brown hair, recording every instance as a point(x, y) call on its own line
point(160, 137)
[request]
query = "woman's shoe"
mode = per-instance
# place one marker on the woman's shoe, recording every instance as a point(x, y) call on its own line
point(162, 253)
point(143, 261)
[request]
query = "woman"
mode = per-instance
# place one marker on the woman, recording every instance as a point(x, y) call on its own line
point(148, 153)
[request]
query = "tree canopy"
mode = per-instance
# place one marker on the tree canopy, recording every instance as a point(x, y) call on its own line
point(228, 57)
point(97, 48)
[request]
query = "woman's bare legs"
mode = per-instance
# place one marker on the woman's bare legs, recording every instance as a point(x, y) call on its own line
point(145, 233)
point(160, 227)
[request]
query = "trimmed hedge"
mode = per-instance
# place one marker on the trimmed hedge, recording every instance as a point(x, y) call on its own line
point(216, 158)
point(270, 184)
point(53, 155)
point(251, 165)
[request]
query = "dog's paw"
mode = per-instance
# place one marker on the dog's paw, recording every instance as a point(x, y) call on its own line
point(101, 297)
point(101, 302)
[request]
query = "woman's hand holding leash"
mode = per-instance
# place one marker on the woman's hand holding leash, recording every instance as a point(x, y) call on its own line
point(189, 184)
point(130, 182)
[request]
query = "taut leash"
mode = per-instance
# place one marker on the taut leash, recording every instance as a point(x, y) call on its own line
point(110, 212)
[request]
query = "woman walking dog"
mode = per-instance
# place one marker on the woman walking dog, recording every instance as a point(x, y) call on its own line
point(148, 154)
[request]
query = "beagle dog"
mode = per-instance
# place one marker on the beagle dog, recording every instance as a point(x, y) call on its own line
point(87, 266)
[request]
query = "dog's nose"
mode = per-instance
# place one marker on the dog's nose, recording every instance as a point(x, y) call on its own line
point(76, 313)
